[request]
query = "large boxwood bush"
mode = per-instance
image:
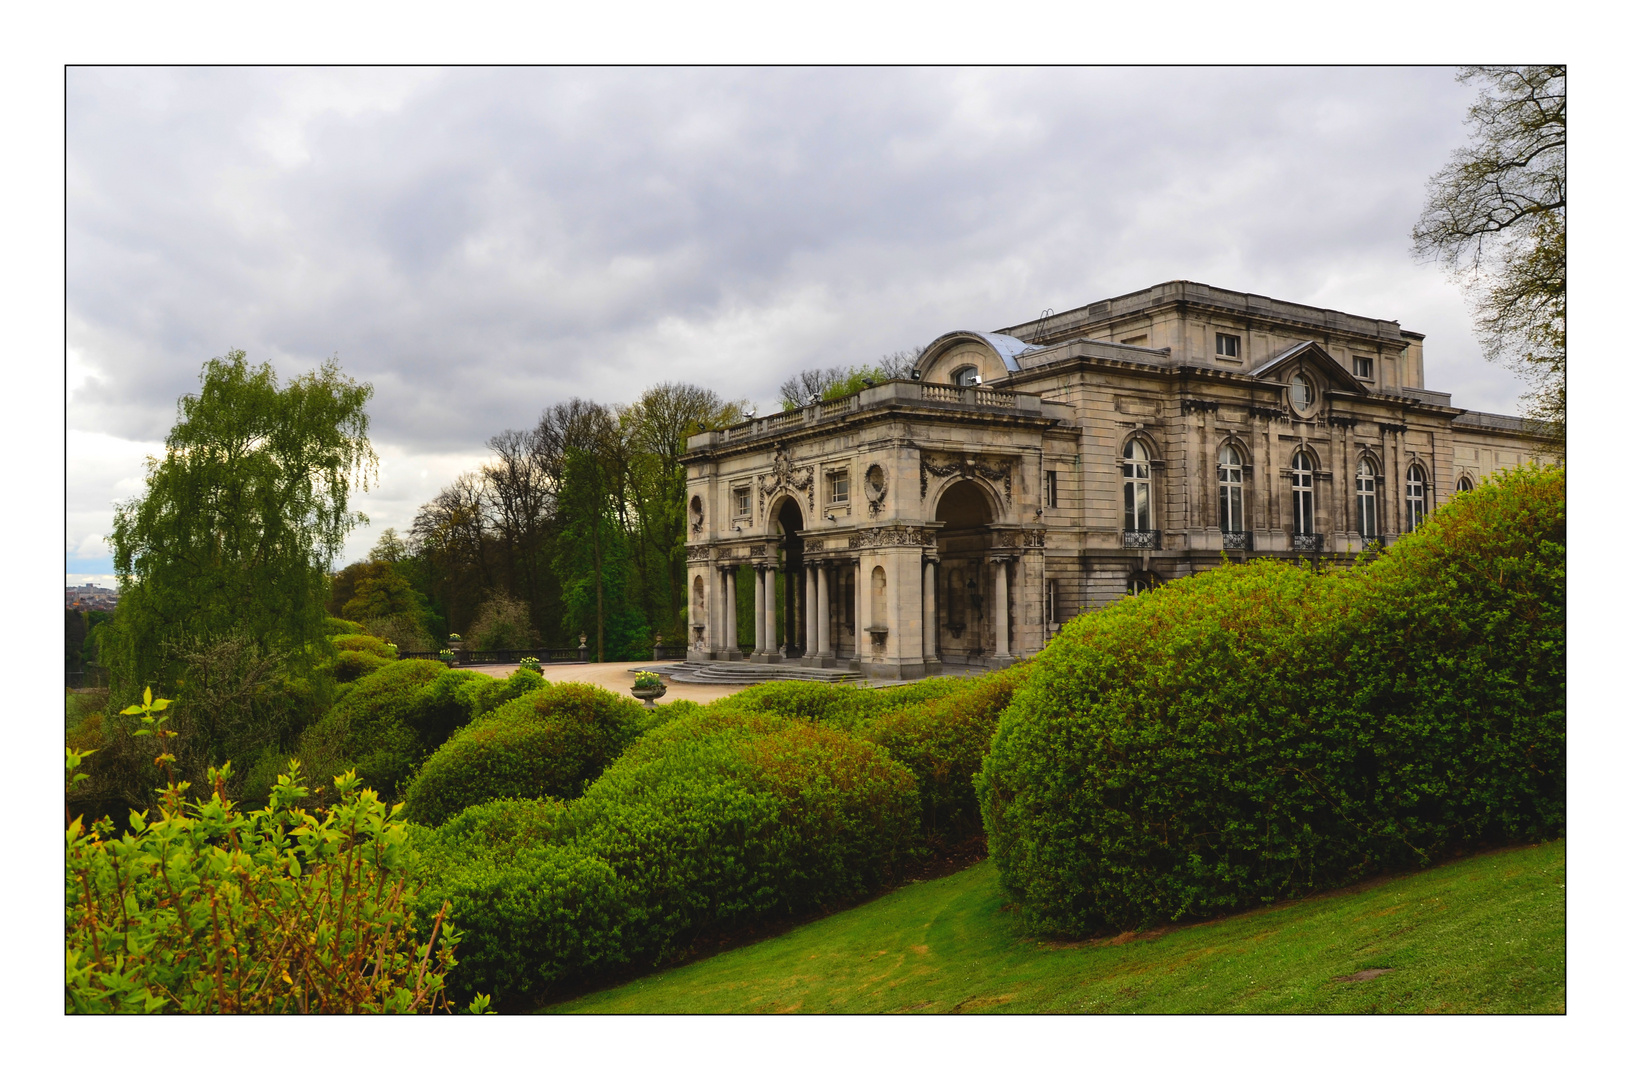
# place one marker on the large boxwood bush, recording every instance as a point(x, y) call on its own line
point(550, 742)
point(715, 819)
point(1257, 732)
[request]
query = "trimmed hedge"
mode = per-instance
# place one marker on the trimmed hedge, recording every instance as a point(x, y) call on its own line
point(352, 664)
point(387, 723)
point(363, 643)
point(835, 705)
point(550, 742)
point(715, 819)
point(485, 694)
point(943, 739)
point(1259, 732)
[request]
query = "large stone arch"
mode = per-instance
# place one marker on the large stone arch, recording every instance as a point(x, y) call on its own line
point(786, 520)
point(968, 512)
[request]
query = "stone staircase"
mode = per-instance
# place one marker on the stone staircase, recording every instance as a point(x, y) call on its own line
point(739, 673)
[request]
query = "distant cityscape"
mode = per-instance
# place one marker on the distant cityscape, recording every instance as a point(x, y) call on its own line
point(88, 597)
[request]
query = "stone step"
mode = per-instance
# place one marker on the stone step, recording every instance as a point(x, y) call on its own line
point(734, 673)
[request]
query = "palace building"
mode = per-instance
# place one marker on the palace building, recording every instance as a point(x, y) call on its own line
point(1027, 474)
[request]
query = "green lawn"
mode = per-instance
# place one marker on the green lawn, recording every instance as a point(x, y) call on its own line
point(1481, 935)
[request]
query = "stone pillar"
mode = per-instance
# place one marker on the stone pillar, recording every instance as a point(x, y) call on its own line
point(999, 605)
point(758, 612)
point(771, 655)
point(731, 650)
point(860, 613)
point(931, 618)
point(824, 615)
point(812, 612)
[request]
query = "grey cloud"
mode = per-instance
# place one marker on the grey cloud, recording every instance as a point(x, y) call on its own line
point(479, 243)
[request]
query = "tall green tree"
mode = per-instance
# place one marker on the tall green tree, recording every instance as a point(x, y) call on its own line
point(241, 519)
point(1495, 219)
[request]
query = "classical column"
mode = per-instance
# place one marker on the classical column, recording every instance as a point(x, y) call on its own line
point(770, 610)
point(758, 611)
point(823, 611)
point(812, 612)
point(860, 611)
point(1000, 604)
point(728, 645)
point(931, 620)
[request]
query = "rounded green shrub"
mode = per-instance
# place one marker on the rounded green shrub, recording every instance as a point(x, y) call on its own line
point(485, 694)
point(942, 739)
point(362, 643)
point(352, 664)
point(550, 742)
point(387, 723)
point(1258, 732)
point(715, 819)
point(847, 708)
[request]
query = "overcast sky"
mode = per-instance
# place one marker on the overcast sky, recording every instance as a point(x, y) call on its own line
point(479, 244)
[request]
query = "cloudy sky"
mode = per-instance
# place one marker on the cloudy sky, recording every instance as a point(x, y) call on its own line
point(480, 243)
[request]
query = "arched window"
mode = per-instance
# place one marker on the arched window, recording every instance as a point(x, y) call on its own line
point(880, 599)
point(1138, 587)
point(1464, 484)
point(966, 376)
point(1231, 492)
point(1365, 485)
point(1302, 494)
point(1415, 497)
point(1135, 487)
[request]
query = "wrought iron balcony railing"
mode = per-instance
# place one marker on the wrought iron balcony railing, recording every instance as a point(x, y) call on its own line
point(1307, 542)
point(1149, 538)
point(1237, 541)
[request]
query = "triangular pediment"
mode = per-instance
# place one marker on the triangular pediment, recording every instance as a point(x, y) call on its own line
point(1312, 355)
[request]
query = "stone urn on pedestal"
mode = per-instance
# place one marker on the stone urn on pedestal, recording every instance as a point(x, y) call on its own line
point(648, 687)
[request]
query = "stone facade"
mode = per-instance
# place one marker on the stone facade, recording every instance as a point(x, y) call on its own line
point(1034, 472)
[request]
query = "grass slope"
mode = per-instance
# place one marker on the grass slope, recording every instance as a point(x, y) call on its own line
point(1484, 934)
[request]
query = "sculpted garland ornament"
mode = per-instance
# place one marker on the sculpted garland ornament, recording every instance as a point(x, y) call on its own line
point(888, 535)
point(784, 475)
point(968, 468)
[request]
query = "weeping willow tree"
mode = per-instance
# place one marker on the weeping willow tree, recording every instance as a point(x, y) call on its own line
point(240, 521)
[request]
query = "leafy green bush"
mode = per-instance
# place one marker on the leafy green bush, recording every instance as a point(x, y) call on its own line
point(352, 664)
point(942, 739)
point(715, 819)
point(846, 708)
point(1258, 732)
point(362, 643)
point(484, 694)
point(210, 910)
point(388, 722)
point(550, 742)
point(335, 626)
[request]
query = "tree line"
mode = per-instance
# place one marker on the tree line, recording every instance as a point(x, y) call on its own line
point(574, 526)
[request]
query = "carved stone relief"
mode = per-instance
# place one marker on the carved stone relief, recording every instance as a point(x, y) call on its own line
point(968, 467)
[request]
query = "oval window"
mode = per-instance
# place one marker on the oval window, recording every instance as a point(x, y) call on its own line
point(1302, 393)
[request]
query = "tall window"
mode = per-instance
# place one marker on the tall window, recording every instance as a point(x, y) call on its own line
point(1365, 484)
point(1050, 488)
point(1415, 497)
point(741, 506)
point(839, 483)
point(1135, 487)
point(1231, 492)
point(1302, 494)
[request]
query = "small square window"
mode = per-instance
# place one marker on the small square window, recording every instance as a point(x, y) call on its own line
point(1050, 488)
point(1363, 365)
point(742, 504)
point(839, 487)
point(1229, 345)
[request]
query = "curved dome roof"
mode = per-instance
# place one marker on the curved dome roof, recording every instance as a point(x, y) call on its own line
point(1008, 348)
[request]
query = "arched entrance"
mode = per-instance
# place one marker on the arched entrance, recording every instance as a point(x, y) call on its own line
point(967, 626)
point(790, 602)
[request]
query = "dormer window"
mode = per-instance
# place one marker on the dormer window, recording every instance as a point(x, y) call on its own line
point(966, 376)
point(1229, 346)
